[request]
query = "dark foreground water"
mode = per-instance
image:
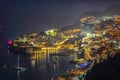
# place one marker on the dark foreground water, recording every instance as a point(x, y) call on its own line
point(35, 69)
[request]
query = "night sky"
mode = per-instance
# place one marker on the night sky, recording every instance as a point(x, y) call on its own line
point(27, 16)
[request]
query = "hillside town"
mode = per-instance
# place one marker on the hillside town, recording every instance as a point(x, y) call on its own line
point(94, 39)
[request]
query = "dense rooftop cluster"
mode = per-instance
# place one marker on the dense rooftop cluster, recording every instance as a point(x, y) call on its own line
point(106, 27)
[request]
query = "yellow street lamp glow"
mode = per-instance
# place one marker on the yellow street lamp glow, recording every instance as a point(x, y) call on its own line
point(51, 32)
point(88, 34)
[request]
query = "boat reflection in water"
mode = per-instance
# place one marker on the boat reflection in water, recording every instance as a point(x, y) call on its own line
point(18, 65)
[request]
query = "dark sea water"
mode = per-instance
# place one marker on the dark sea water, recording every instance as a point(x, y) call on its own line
point(35, 69)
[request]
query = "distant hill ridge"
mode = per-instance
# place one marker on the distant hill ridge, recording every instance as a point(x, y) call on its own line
point(113, 10)
point(110, 11)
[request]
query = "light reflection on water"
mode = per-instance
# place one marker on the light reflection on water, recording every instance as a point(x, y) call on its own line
point(42, 68)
